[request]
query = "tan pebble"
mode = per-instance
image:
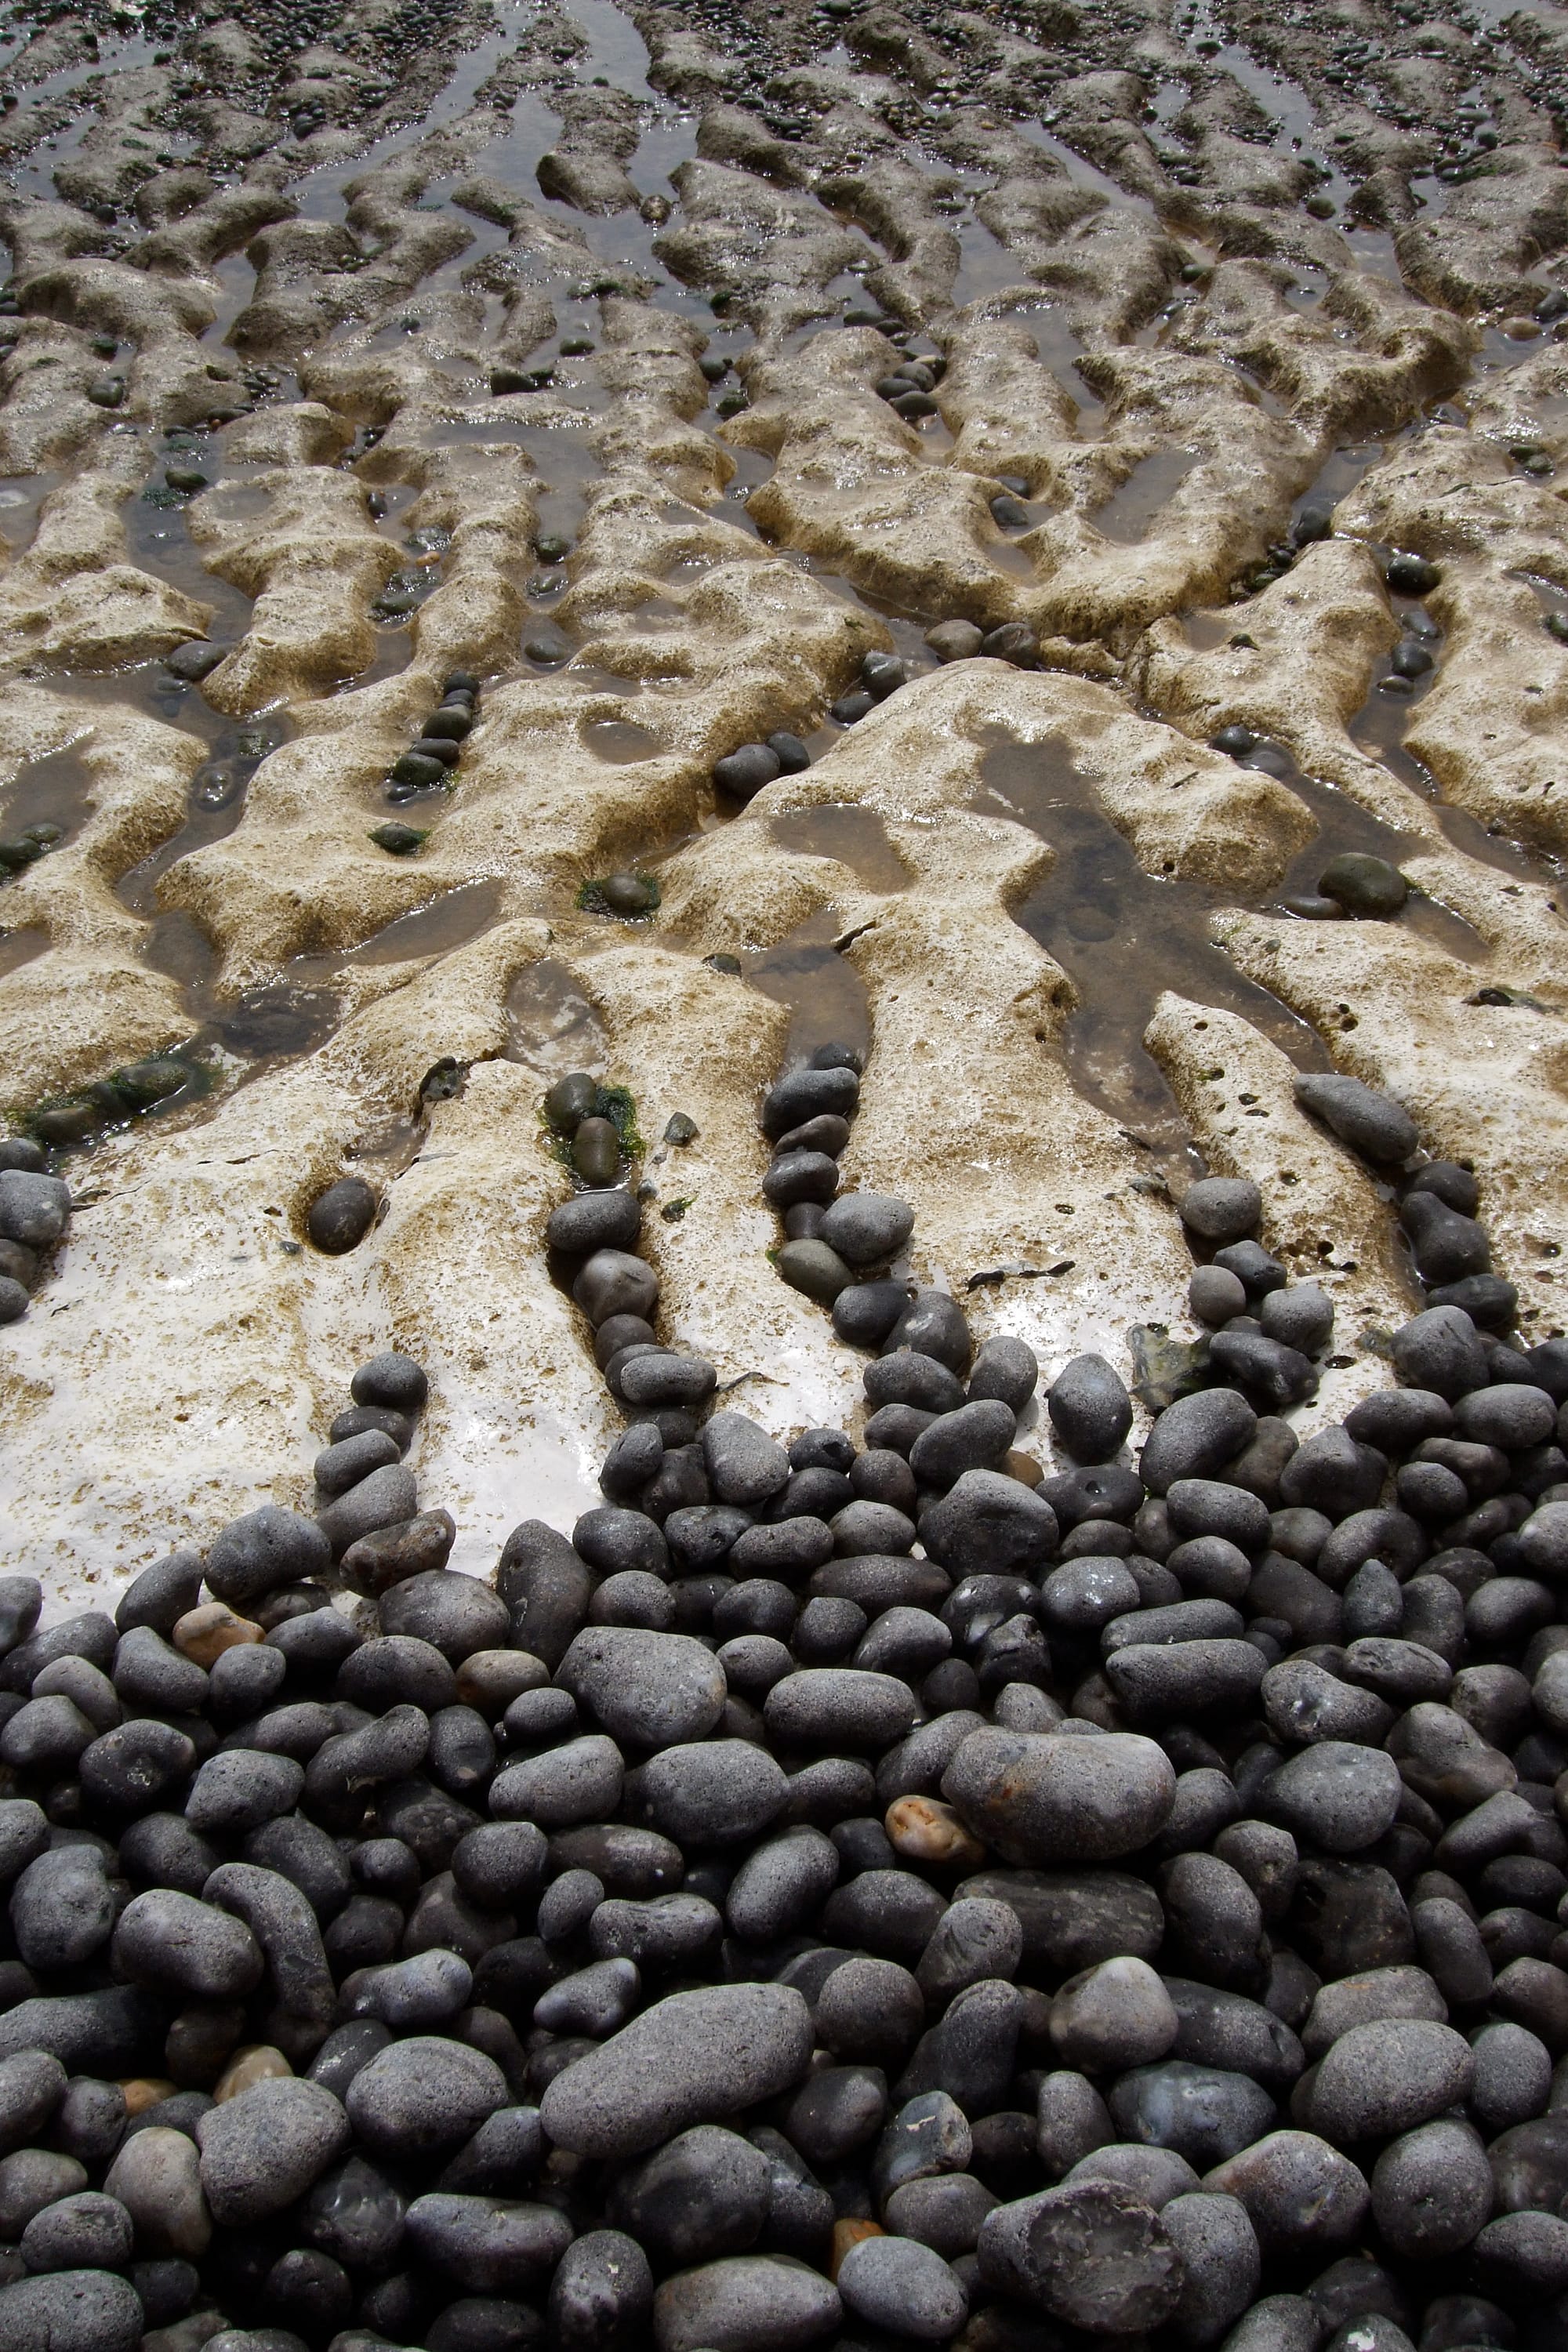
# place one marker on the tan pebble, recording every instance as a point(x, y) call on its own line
point(1022, 1466)
point(204, 1634)
point(1520, 331)
point(491, 1679)
point(850, 2233)
point(257, 2063)
point(144, 2091)
point(925, 1830)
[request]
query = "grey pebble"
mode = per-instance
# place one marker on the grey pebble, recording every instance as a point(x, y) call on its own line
point(691, 2058)
point(262, 2149)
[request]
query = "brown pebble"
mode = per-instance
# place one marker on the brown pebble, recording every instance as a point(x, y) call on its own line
point(144, 2091)
point(847, 2233)
point(1022, 1466)
point(925, 1830)
point(258, 2062)
point(203, 1634)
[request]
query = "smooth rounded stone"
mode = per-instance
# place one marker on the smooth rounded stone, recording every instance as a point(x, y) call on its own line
point(62, 1908)
point(890, 1912)
point(1513, 2079)
point(32, 2085)
point(743, 773)
point(456, 1614)
point(495, 2244)
point(1090, 2254)
point(1115, 2015)
point(1432, 2192)
point(664, 1932)
point(989, 1523)
point(1543, 1539)
point(90, 2033)
point(613, 1282)
point(1087, 1593)
point(1160, 1682)
point(954, 640)
point(745, 2303)
point(35, 1210)
point(1089, 1408)
point(648, 1379)
point(237, 1791)
point(87, 2231)
point(899, 2284)
point(383, 1499)
point(265, 1549)
point(1511, 1417)
point(864, 1313)
point(1206, 1507)
point(579, 1781)
point(711, 1792)
point(339, 1219)
point(1335, 1795)
point(615, 1542)
point(781, 1885)
point(872, 1531)
point(691, 2058)
point(1301, 1318)
point(596, 2000)
point(155, 1599)
point(1523, 2254)
point(71, 2311)
point(1302, 2196)
point(602, 2293)
point(1222, 2266)
point(1154, 2174)
point(906, 1376)
point(971, 1438)
point(606, 1220)
point(838, 1707)
point(151, 1675)
point(392, 1669)
point(1445, 1249)
point(814, 1269)
point(1221, 1208)
point(1365, 1118)
point(45, 1733)
point(422, 2095)
point(1195, 1437)
point(1038, 1798)
point(634, 1598)
point(645, 1689)
point(744, 1465)
point(263, 2149)
point(338, 1467)
point(30, 2180)
point(1388, 2076)
point(175, 1943)
point(872, 2010)
point(1279, 2323)
point(1440, 1350)
point(1305, 1703)
point(1215, 1295)
point(156, 2176)
point(1363, 884)
point(934, 1325)
point(1205, 2112)
point(704, 2193)
point(867, 1228)
point(930, 2135)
